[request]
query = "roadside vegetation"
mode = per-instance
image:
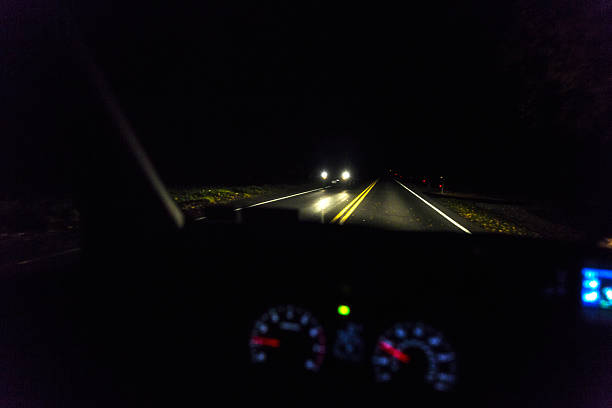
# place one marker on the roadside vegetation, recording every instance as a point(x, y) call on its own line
point(513, 219)
point(190, 197)
point(194, 200)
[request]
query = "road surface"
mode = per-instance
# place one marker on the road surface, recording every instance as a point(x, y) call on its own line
point(381, 203)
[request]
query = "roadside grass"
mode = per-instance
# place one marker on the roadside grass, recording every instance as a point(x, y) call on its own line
point(199, 197)
point(489, 221)
point(194, 200)
point(510, 219)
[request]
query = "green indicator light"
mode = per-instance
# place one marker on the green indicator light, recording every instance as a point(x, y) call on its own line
point(344, 310)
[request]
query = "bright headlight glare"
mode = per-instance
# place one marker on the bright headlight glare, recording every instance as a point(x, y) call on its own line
point(323, 203)
point(346, 175)
point(324, 174)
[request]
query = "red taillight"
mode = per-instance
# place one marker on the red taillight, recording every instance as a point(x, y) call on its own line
point(424, 181)
point(440, 186)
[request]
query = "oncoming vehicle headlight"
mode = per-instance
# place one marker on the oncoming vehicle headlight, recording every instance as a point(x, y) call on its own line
point(346, 175)
point(323, 174)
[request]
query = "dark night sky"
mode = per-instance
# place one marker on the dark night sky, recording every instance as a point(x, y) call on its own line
point(250, 91)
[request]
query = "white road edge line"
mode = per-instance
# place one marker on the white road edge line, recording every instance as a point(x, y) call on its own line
point(282, 198)
point(456, 224)
point(270, 201)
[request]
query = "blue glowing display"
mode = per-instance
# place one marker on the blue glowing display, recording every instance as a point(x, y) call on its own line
point(593, 283)
point(590, 297)
point(597, 288)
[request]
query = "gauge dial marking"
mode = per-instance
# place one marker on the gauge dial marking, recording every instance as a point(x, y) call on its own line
point(416, 355)
point(286, 338)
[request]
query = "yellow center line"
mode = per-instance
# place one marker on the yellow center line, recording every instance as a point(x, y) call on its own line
point(345, 209)
point(353, 205)
point(348, 214)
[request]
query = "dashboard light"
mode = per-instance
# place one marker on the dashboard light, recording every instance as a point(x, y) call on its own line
point(344, 310)
point(590, 297)
point(323, 175)
point(593, 284)
point(596, 288)
point(346, 175)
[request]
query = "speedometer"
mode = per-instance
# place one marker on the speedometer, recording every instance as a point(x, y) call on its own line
point(415, 355)
point(287, 337)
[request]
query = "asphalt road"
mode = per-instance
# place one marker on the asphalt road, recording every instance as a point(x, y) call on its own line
point(381, 203)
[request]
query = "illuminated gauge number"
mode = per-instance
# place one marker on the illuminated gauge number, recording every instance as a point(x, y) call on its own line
point(287, 337)
point(416, 355)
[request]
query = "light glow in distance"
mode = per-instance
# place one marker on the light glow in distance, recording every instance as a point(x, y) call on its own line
point(346, 175)
point(324, 175)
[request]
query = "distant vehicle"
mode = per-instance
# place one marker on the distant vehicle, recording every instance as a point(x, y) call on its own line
point(341, 178)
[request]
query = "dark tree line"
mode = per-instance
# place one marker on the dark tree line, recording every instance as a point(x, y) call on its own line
point(557, 58)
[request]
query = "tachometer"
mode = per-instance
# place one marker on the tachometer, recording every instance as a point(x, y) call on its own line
point(415, 355)
point(288, 337)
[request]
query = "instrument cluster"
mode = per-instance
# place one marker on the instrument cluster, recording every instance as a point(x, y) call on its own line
point(288, 341)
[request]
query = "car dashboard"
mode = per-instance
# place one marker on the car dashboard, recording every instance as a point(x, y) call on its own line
point(360, 314)
point(311, 313)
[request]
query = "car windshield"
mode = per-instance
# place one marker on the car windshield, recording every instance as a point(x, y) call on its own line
point(470, 117)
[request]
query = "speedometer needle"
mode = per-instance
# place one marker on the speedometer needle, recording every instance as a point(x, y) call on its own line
point(392, 351)
point(265, 341)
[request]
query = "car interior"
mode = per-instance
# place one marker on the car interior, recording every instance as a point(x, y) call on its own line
point(254, 307)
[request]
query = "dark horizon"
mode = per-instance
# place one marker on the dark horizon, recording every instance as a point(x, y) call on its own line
point(220, 94)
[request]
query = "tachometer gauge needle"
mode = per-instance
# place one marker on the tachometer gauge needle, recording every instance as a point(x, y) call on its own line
point(392, 351)
point(265, 341)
